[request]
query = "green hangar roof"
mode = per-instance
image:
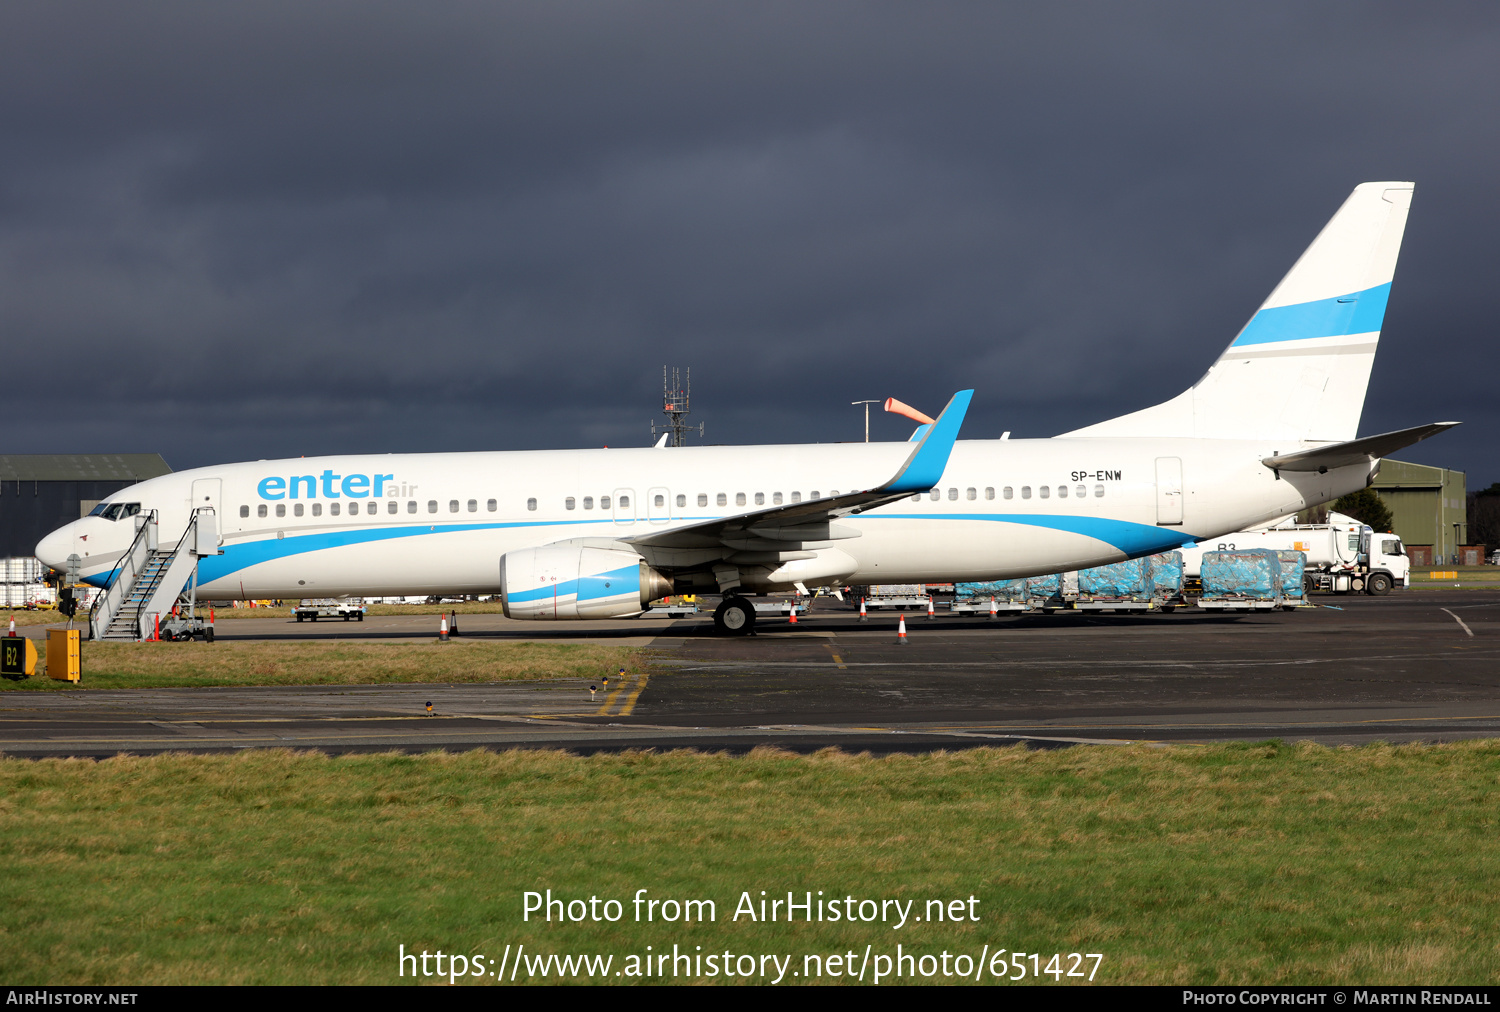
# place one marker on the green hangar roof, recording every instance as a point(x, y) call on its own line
point(81, 466)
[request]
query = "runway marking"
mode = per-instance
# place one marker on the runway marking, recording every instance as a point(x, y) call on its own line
point(1268, 722)
point(640, 686)
point(1464, 625)
point(609, 701)
point(836, 658)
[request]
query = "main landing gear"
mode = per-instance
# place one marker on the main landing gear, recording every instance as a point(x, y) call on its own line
point(734, 617)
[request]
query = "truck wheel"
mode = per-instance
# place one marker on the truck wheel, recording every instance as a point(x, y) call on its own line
point(208, 635)
point(734, 617)
point(1378, 584)
point(360, 617)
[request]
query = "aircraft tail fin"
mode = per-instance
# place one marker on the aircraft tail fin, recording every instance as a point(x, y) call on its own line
point(1299, 369)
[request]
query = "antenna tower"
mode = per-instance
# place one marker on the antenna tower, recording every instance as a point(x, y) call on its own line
point(676, 397)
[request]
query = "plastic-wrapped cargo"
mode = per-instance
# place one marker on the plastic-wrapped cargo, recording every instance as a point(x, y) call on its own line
point(1253, 573)
point(1043, 587)
point(898, 590)
point(1167, 575)
point(1293, 573)
point(1129, 580)
point(1005, 590)
point(21, 569)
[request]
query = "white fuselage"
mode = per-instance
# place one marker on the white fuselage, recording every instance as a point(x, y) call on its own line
point(438, 523)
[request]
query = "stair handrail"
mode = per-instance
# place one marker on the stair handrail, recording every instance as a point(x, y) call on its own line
point(182, 544)
point(116, 587)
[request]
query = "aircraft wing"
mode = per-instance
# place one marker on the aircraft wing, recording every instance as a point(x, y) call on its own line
point(1355, 451)
point(813, 520)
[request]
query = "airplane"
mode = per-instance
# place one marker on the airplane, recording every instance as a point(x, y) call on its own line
point(1270, 429)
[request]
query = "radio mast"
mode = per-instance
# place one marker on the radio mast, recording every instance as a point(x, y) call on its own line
point(676, 399)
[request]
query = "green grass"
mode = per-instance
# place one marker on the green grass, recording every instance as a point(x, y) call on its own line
point(1228, 865)
point(154, 665)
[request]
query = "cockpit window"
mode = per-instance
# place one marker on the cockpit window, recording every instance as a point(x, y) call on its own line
point(115, 510)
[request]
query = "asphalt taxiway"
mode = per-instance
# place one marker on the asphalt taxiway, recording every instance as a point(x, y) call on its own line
point(1414, 666)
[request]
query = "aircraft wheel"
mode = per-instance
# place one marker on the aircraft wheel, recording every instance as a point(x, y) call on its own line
point(1378, 584)
point(734, 617)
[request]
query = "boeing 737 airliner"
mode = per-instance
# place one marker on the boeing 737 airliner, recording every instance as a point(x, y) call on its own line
point(571, 534)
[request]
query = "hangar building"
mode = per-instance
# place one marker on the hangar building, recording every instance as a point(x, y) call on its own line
point(39, 492)
point(1429, 506)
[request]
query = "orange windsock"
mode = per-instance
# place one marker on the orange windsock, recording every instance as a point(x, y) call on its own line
point(895, 407)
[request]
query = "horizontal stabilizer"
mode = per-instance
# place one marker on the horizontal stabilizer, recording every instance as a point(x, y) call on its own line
point(1356, 451)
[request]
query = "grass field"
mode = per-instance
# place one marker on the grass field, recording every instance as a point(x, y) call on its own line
point(1231, 865)
point(145, 665)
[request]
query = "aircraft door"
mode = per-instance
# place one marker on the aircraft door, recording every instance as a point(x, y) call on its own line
point(206, 492)
point(624, 505)
point(659, 505)
point(1168, 491)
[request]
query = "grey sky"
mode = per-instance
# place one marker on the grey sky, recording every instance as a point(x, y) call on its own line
point(241, 231)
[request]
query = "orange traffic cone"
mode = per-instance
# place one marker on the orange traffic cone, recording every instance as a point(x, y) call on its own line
point(930, 613)
point(793, 619)
point(12, 624)
point(901, 631)
point(443, 630)
point(862, 616)
point(993, 609)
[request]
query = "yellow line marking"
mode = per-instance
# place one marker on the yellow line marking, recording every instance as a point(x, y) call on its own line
point(836, 658)
point(609, 701)
point(640, 686)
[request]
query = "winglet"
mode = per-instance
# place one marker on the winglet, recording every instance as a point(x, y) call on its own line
point(924, 468)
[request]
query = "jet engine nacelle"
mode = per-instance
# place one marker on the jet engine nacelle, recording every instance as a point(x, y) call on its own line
point(574, 581)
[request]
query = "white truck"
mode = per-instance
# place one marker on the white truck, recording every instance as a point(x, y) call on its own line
point(1343, 555)
point(312, 609)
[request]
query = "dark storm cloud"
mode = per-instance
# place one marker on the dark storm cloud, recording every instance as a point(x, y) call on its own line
point(253, 231)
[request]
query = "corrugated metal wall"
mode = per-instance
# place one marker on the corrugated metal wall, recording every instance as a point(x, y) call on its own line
point(1429, 505)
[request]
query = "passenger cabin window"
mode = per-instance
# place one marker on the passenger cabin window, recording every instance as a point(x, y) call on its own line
point(659, 500)
point(702, 498)
point(373, 507)
point(317, 509)
point(739, 498)
point(1062, 491)
point(530, 504)
point(604, 502)
point(935, 494)
point(813, 494)
point(624, 502)
point(473, 506)
point(775, 498)
point(281, 509)
point(431, 505)
point(245, 511)
point(261, 510)
point(333, 509)
point(917, 497)
point(953, 495)
point(681, 501)
point(1025, 491)
point(1008, 492)
point(722, 499)
point(1098, 491)
point(569, 503)
point(491, 505)
point(796, 497)
point(971, 494)
point(588, 502)
point(1043, 491)
point(452, 505)
point(296, 509)
point(760, 498)
point(392, 506)
point(1082, 491)
point(989, 492)
point(411, 505)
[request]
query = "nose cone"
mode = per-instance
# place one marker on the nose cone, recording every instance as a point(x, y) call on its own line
point(55, 548)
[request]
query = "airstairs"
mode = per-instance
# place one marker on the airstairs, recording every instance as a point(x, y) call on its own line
point(149, 579)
